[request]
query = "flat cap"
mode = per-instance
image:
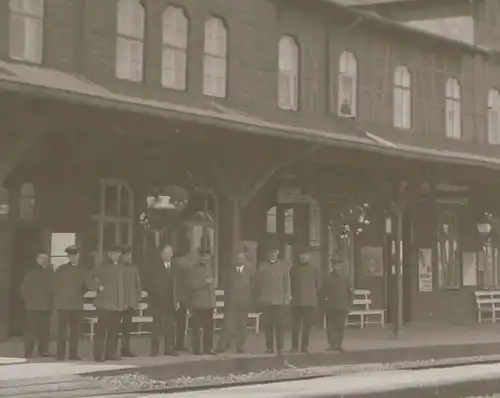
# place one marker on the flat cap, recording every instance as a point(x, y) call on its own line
point(72, 249)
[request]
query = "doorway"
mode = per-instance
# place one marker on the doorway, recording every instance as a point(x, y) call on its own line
point(23, 257)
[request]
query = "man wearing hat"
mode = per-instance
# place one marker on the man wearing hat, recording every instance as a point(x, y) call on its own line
point(133, 296)
point(109, 281)
point(202, 302)
point(37, 292)
point(305, 282)
point(273, 294)
point(238, 299)
point(337, 295)
point(70, 284)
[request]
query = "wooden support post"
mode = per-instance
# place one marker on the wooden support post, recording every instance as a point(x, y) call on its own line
point(398, 322)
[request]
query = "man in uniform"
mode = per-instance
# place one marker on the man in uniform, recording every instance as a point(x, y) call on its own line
point(273, 292)
point(238, 300)
point(305, 281)
point(202, 303)
point(133, 296)
point(164, 301)
point(69, 287)
point(37, 292)
point(337, 295)
point(109, 281)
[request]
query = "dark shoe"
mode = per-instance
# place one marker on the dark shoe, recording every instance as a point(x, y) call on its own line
point(331, 348)
point(60, 359)
point(270, 351)
point(112, 358)
point(99, 360)
point(220, 351)
point(294, 350)
point(46, 355)
point(179, 348)
point(128, 354)
point(196, 352)
point(75, 358)
point(240, 351)
point(279, 353)
point(28, 356)
point(305, 351)
point(209, 352)
point(171, 353)
point(153, 354)
point(340, 349)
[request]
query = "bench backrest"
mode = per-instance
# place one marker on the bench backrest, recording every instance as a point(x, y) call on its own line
point(89, 297)
point(487, 298)
point(219, 300)
point(362, 300)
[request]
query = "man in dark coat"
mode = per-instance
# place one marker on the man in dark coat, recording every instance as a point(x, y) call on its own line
point(164, 301)
point(273, 291)
point(133, 296)
point(238, 299)
point(202, 302)
point(305, 282)
point(108, 281)
point(337, 295)
point(70, 284)
point(37, 292)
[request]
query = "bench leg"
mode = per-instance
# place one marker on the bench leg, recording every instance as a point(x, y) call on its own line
point(257, 325)
point(382, 318)
point(362, 320)
point(91, 331)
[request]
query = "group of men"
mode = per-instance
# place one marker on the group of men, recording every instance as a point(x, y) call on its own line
point(177, 285)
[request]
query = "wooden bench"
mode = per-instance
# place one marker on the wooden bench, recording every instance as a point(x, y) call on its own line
point(91, 319)
point(219, 313)
point(488, 304)
point(361, 313)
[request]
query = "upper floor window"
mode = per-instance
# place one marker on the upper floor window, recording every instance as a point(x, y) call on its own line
point(130, 40)
point(26, 30)
point(288, 84)
point(348, 82)
point(453, 109)
point(494, 117)
point(174, 55)
point(402, 97)
point(27, 202)
point(215, 58)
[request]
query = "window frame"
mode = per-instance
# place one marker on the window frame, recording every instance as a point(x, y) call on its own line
point(212, 58)
point(288, 47)
point(101, 218)
point(444, 281)
point(402, 116)
point(177, 47)
point(27, 198)
point(31, 53)
point(126, 39)
point(453, 98)
point(348, 68)
point(493, 112)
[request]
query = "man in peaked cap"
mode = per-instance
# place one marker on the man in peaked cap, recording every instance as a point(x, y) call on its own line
point(272, 282)
point(70, 284)
point(305, 281)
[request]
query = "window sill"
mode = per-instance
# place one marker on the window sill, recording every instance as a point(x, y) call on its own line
point(25, 62)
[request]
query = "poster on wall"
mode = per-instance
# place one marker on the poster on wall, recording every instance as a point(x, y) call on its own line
point(372, 259)
point(425, 270)
point(469, 268)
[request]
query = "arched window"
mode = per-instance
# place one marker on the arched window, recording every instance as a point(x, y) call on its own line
point(27, 202)
point(215, 58)
point(114, 219)
point(453, 109)
point(448, 254)
point(402, 97)
point(288, 84)
point(348, 85)
point(494, 116)
point(130, 40)
point(175, 42)
point(26, 30)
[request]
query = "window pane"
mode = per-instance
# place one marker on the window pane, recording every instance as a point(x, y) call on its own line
point(110, 200)
point(123, 58)
point(288, 220)
point(136, 61)
point(109, 235)
point(17, 37)
point(125, 233)
point(346, 95)
point(271, 221)
point(125, 205)
point(34, 33)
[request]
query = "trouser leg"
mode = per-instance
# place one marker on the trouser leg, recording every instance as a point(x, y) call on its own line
point(113, 331)
point(44, 332)
point(101, 331)
point(74, 333)
point(307, 315)
point(126, 329)
point(157, 332)
point(241, 317)
point(62, 333)
point(269, 331)
point(296, 326)
point(279, 326)
point(30, 333)
point(180, 327)
point(208, 330)
point(169, 330)
point(197, 325)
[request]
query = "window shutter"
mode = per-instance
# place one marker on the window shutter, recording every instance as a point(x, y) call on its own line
point(17, 37)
